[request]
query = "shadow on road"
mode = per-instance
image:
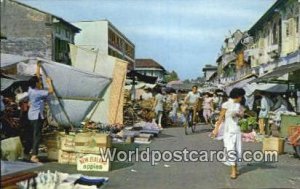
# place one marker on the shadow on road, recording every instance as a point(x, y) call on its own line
point(162, 135)
point(201, 130)
point(254, 166)
point(120, 165)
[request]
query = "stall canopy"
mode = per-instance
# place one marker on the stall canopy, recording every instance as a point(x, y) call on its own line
point(73, 89)
point(240, 83)
point(8, 80)
point(76, 92)
point(8, 60)
point(184, 86)
point(275, 76)
point(266, 87)
point(176, 82)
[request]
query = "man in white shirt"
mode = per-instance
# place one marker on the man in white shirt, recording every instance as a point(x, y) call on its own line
point(192, 100)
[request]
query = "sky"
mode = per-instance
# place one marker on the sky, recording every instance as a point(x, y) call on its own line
point(182, 35)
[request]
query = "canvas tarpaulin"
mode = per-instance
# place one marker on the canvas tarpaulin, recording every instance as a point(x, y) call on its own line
point(241, 83)
point(110, 110)
point(8, 60)
point(267, 87)
point(8, 80)
point(76, 91)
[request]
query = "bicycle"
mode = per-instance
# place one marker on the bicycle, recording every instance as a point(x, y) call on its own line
point(214, 118)
point(189, 121)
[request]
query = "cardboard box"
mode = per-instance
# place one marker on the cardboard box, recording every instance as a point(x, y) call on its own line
point(53, 140)
point(273, 144)
point(67, 157)
point(92, 162)
point(67, 143)
point(91, 143)
point(52, 153)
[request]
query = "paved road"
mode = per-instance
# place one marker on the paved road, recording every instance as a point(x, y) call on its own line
point(173, 175)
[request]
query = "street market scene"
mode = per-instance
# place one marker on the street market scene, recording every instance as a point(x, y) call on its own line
point(150, 94)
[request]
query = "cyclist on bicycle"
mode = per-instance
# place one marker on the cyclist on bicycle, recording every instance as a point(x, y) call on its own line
point(191, 100)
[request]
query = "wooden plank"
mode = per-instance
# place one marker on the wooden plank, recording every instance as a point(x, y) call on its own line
point(12, 180)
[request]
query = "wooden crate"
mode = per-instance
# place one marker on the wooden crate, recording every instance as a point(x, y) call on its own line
point(52, 153)
point(273, 144)
point(67, 157)
point(91, 143)
point(67, 143)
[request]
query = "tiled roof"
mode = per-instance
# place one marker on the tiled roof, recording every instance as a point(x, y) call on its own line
point(147, 63)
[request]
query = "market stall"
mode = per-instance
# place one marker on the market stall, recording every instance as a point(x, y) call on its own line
point(286, 81)
point(77, 105)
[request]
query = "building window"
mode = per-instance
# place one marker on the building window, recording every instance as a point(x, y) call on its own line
point(57, 30)
point(67, 34)
point(287, 29)
point(275, 34)
point(297, 24)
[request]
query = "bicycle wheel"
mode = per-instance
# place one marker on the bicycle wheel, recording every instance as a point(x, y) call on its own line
point(185, 125)
point(189, 123)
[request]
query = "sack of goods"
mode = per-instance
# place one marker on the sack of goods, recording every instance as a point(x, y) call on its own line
point(11, 149)
point(146, 104)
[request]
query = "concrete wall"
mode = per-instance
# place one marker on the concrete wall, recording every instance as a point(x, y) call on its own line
point(290, 12)
point(27, 47)
point(93, 34)
point(26, 31)
point(289, 43)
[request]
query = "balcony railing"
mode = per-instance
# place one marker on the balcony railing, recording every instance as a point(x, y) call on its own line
point(120, 48)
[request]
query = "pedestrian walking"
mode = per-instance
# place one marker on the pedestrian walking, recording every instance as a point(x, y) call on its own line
point(208, 107)
point(175, 105)
point(37, 99)
point(230, 114)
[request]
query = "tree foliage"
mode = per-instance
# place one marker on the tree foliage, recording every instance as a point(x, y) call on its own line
point(172, 76)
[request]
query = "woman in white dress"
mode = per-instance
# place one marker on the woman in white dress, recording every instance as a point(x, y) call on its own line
point(230, 114)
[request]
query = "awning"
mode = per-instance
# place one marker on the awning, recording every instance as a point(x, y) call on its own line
point(266, 87)
point(9, 80)
point(240, 83)
point(183, 86)
point(173, 83)
point(274, 76)
point(8, 60)
point(6, 83)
